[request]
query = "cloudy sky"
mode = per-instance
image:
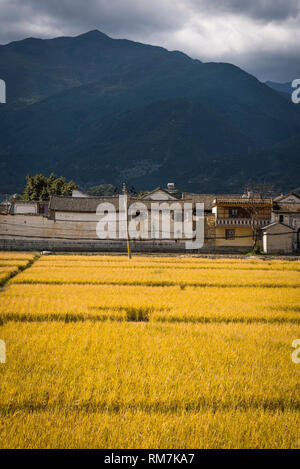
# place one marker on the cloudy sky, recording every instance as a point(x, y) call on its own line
point(261, 36)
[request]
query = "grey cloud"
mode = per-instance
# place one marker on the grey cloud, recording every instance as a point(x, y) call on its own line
point(75, 16)
point(275, 66)
point(262, 10)
point(172, 24)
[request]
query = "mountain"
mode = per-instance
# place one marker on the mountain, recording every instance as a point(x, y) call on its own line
point(279, 164)
point(281, 87)
point(285, 89)
point(101, 110)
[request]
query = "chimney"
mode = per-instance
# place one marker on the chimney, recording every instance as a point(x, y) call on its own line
point(171, 187)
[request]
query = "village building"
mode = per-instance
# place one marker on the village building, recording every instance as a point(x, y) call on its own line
point(232, 223)
point(82, 214)
point(240, 219)
point(286, 210)
point(278, 238)
point(30, 207)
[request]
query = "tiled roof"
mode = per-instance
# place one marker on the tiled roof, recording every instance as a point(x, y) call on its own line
point(90, 204)
point(79, 204)
point(206, 199)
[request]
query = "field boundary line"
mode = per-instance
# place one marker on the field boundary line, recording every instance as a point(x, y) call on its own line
point(136, 316)
point(182, 285)
point(164, 267)
point(274, 405)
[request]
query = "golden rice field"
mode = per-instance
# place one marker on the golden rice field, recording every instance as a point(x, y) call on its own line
point(12, 263)
point(156, 352)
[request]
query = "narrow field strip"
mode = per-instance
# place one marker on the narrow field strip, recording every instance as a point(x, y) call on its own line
point(14, 263)
point(157, 276)
point(158, 303)
point(19, 256)
point(7, 272)
point(96, 278)
point(10, 270)
point(160, 260)
point(141, 267)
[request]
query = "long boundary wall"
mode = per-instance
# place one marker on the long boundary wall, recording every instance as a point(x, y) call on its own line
point(38, 233)
point(11, 244)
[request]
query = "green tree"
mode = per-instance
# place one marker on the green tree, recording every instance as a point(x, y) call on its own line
point(103, 189)
point(39, 187)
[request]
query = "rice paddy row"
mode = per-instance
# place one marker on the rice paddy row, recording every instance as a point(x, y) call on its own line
point(11, 266)
point(227, 275)
point(170, 304)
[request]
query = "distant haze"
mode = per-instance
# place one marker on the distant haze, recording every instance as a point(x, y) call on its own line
point(261, 36)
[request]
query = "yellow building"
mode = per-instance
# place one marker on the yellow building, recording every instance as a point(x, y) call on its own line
point(240, 219)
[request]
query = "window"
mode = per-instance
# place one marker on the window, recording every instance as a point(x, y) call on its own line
point(229, 234)
point(178, 216)
point(281, 219)
point(233, 212)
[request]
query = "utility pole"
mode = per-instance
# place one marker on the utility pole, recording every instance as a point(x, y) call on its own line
point(6, 203)
point(126, 215)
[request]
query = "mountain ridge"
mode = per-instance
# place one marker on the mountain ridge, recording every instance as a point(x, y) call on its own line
point(95, 96)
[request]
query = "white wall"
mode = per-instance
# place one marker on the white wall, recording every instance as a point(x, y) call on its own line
point(22, 208)
point(76, 193)
point(278, 239)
